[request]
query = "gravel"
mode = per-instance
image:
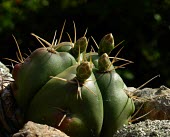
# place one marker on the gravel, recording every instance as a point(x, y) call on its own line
point(147, 128)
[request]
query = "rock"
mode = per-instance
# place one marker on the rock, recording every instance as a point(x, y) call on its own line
point(154, 103)
point(32, 129)
point(5, 76)
point(152, 113)
point(147, 128)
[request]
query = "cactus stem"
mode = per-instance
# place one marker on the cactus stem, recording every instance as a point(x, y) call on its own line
point(95, 42)
point(62, 120)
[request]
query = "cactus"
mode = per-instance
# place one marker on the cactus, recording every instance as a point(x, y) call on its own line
point(31, 75)
point(118, 107)
point(66, 87)
point(61, 100)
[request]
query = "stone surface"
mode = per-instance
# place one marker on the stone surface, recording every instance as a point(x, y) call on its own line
point(152, 117)
point(154, 103)
point(32, 129)
point(147, 128)
point(5, 76)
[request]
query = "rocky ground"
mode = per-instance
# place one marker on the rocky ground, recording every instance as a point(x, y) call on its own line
point(32, 129)
point(147, 128)
point(151, 119)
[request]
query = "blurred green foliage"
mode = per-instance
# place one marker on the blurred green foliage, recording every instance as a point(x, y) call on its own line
point(13, 11)
point(143, 24)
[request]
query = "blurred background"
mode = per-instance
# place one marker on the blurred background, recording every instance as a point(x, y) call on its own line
point(144, 25)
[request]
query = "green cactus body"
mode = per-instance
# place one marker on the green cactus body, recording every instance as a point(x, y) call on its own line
point(63, 86)
point(118, 107)
point(64, 46)
point(58, 98)
point(76, 49)
point(35, 71)
point(93, 57)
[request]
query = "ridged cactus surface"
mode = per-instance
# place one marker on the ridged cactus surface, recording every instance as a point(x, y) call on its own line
point(71, 89)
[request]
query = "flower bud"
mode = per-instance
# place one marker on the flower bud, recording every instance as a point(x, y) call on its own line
point(84, 71)
point(106, 44)
point(80, 46)
point(104, 63)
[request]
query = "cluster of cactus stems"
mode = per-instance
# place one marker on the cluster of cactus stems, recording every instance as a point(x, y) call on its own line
point(68, 88)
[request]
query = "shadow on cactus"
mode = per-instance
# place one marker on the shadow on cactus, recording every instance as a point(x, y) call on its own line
point(67, 87)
